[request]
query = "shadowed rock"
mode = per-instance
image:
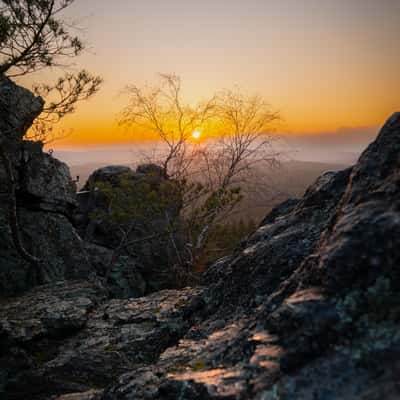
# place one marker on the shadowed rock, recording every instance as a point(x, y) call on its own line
point(46, 201)
point(18, 108)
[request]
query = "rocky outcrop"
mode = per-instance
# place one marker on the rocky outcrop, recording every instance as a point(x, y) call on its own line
point(308, 308)
point(44, 182)
point(45, 203)
point(45, 197)
point(143, 197)
point(18, 108)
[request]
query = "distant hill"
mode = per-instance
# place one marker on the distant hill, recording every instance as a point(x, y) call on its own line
point(272, 186)
point(268, 188)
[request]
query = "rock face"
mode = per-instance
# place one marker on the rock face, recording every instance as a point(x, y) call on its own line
point(46, 201)
point(44, 182)
point(45, 196)
point(308, 308)
point(77, 341)
point(18, 108)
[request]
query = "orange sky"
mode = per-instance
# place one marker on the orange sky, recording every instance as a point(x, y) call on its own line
point(325, 64)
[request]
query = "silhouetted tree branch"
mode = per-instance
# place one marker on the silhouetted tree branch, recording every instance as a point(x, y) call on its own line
point(34, 37)
point(63, 98)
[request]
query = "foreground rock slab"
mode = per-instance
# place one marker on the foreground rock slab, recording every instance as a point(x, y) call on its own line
point(65, 337)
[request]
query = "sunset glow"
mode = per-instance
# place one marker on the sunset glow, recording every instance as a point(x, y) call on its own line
point(324, 65)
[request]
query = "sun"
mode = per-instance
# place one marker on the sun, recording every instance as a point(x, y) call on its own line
point(196, 135)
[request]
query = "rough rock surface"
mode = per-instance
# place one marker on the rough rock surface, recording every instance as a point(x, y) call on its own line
point(63, 337)
point(308, 308)
point(44, 182)
point(18, 108)
point(121, 276)
point(46, 200)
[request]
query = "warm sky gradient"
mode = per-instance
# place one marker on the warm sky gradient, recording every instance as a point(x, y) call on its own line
point(325, 64)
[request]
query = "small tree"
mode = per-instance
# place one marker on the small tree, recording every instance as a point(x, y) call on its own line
point(139, 215)
point(241, 142)
point(209, 173)
point(33, 37)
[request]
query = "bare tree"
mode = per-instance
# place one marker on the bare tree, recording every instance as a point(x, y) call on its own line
point(241, 141)
point(210, 172)
point(33, 37)
point(161, 111)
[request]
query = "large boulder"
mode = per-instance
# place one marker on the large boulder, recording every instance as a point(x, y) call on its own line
point(44, 183)
point(18, 109)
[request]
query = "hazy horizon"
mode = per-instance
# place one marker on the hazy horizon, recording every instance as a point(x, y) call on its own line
point(342, 147)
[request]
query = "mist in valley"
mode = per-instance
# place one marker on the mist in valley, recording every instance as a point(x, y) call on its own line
point(302, 159)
